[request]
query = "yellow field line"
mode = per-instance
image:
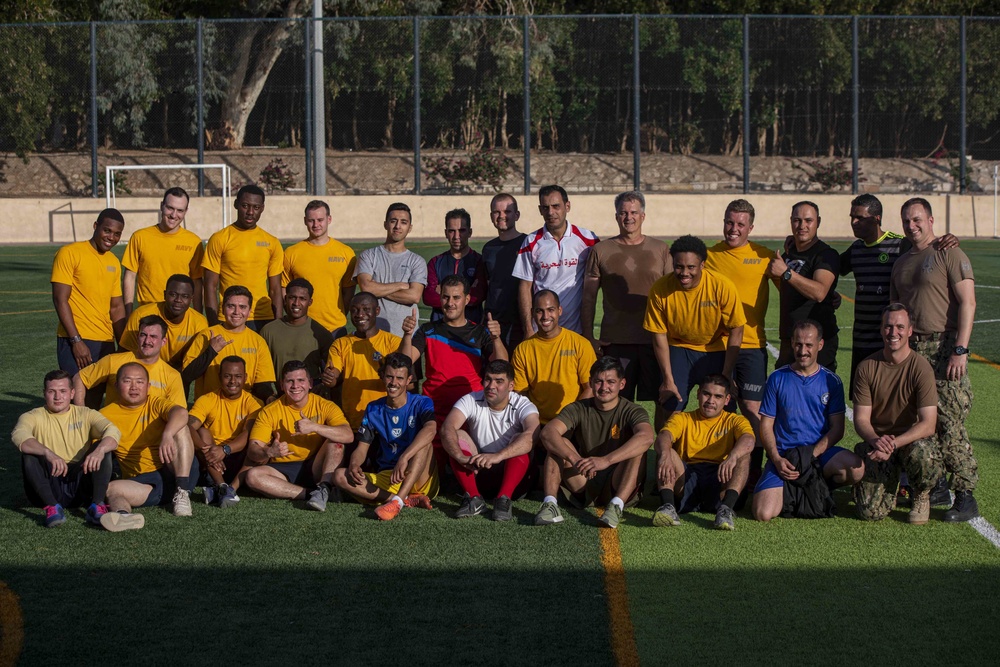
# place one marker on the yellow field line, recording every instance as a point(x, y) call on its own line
point(622, 633)
point(985, 361)
point(11, 627)
point(29, 312)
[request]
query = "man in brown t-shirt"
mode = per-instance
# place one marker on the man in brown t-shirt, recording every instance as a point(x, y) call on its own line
point(624, 268)
point(895, 411)
point(596, 449)
point(939, 289)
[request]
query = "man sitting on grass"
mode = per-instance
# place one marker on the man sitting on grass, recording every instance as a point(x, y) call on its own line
point(65, 453)
point(401, 425)
point(895, 412)
point(297, 442)
point(155, 452)
point(488, 436)
point(596, 449)
point(704, 457)
point(220, 427)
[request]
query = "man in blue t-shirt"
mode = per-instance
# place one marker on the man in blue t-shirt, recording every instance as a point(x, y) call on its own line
point(401, 426)
point(803, 406)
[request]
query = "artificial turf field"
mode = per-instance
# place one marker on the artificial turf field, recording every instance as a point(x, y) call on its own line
point(269, 583)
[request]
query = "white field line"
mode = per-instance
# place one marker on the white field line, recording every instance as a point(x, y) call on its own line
point(848, 279)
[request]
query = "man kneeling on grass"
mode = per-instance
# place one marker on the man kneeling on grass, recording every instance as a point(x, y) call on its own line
point(155, 452)
point(65, 453)
point(401, 425)
point(297, 442)
point(703, 456)
point(596, 449)
point(488, 435)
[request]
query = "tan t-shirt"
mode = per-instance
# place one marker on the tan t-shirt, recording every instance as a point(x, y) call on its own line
point(895, 392)
point(627, 272)
point(925, 281)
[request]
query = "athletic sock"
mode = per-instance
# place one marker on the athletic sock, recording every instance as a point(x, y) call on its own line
point(182, 483)
point(550, 499)
point(513, 472)
point(397, 500)
point(618, 502)
point(666, 496)
point(729, 499)
point(325, 485)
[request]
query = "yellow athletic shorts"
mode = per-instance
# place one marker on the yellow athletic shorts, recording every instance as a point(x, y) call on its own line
point(383, 480)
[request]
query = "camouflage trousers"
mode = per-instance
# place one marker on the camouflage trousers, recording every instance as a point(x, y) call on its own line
point(954, 403)
point(875, 494)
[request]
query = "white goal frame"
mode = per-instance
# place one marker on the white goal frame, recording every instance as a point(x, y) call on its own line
point(109, 181)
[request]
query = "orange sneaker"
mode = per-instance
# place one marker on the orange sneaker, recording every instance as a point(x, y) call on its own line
point(419, 500)
point(388, 511)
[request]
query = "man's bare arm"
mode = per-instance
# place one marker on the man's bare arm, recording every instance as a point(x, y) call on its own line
point(211, 281)
point(128, 290)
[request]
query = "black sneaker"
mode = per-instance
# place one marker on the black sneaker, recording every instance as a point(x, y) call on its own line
point(502, 509)
point(940, 495)
point(471, 506)
point(965, 508)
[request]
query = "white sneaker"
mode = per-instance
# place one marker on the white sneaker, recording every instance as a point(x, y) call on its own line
point(182, 503)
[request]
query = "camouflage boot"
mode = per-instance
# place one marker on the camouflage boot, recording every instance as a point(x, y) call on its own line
point(921, 511)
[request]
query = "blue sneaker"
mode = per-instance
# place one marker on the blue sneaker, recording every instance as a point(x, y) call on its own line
point(227, 496)
point(54, 515)
point(210, 494)
point(95, 512)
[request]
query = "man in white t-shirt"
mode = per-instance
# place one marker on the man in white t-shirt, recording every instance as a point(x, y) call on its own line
point(488, 435)
point(554, 258)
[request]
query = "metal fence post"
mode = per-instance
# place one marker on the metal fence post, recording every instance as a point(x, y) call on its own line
point(93, 110)
point(319, 103)
point(201, 103)
point(416, 105)
point(855, 102)
point(310, 183)
point(746, 103)
point(527, 105)
point(636, 152)
point(963, 165)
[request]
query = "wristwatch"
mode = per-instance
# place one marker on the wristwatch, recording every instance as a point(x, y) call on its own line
point(227, 450)
point(787, 275)
point(75, 339)
point(961, 350)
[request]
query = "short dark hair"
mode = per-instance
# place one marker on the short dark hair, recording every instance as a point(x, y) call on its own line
point(398, 206)
point(365, 296)
point(317, 203)
point(454, 280)
point(544, 292)
point(499, 367)
point(503, 196)
point(300, 282)
point(896, 307)
point(237, 290)
point(688, 243)
point(153, 321)
point(58, 374)
point(806, 202)
point(292, 366)
point(869, 202)
point(131, 364)
point(913, 201)
point(740, 206)
point(607, 363)
point(111, 214)
point(175, 192)
point(181, 278)
point(549, 189)
point(460, 213)
point(396, 360)
point(719, 380)
point(806, 324)
point(233, 359)
point(250, 189)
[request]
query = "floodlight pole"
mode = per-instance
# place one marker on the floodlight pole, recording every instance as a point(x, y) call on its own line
point(318, 100)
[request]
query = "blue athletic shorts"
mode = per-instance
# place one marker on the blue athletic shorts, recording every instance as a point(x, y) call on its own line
point(689, 368)
point(750, 374)
point(296, 472)
point(702, 488)
point(769, 478)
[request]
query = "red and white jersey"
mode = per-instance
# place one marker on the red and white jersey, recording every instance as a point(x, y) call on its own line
point(558, 266)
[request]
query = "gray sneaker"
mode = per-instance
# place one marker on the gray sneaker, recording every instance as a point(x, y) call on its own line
point(318, 498)
point(502, 509)
point(227, 496)
point(182, 503)
point(548, 514)
point(725, 519)
point(666, 515)
point(116, 522)
point(471, 506)
point(612, 515)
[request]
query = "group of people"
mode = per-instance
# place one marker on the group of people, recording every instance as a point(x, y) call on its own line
point(516, 390)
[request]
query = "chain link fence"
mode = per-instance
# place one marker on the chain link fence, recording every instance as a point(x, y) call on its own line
point(434, 104)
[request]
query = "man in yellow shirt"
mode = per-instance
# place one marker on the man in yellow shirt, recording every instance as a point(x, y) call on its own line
point(297, 442)
point(552, 367)
point(155, 253)
point(164, 381)
point(244, 254)
point(697, 323)
point(65, 453)
point(220, 428)
point(155, 452)
point(87, 293)
point(703, 457)
point(183, 321)
point(327, 264)
point(354, 361)
point(201, 363)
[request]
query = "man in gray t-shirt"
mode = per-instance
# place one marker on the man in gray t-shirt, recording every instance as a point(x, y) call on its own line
point(395, 275)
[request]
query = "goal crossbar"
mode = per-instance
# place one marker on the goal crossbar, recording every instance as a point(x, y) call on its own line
point(109, 181)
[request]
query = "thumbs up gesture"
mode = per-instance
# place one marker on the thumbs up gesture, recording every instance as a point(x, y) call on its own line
point(278, 448)
point(410, 322)
point(305, 425)
point(778, 266)
point(492, 326)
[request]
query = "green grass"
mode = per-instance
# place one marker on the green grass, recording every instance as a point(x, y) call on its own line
point(267, 582)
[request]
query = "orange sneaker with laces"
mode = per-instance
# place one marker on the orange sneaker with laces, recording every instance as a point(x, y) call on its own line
point(419, 500)
point(388, 511)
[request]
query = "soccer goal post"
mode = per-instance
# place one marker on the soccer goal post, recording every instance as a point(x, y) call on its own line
point(109, 181)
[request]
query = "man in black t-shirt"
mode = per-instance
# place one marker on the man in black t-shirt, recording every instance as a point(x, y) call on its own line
point(500, 255)
point(808, 270)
